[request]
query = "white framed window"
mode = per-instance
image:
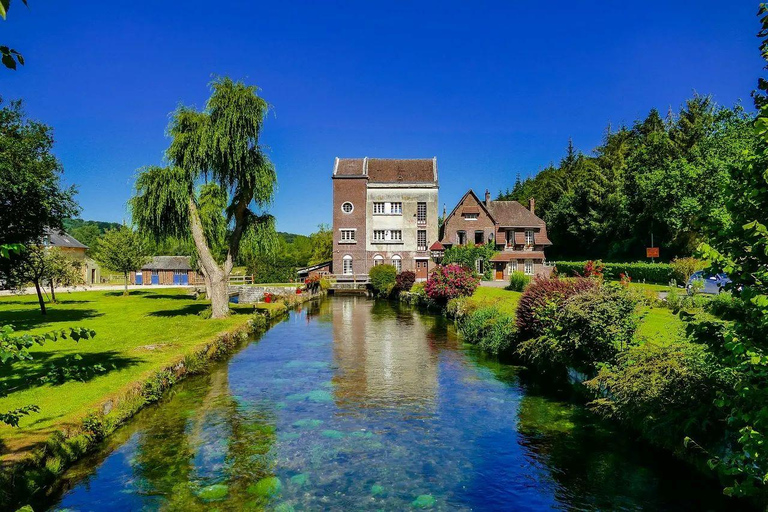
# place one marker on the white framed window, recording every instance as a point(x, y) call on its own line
point(378, 208)
point(346, 265)
point(471, 216)
point(347, 207)
point(421, 240)
point(529, 267)
point(378, 260)
point(513, 266)
point(421, 213)
point(397, 262)
point(347, 236)
point(387, 235)
point(528, 237)
point(396, 208)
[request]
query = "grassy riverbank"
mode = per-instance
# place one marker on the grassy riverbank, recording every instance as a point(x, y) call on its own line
point(135, 335)
point(145, 343)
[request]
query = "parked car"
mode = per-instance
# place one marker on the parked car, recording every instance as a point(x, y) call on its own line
point(710, 283)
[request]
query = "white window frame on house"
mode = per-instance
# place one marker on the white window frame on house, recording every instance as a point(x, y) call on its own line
point(479, 266)
point(346, 265)
point(421, 213)
point(378, 260)
point(471, 216)
point(529, 237)
point(528, 267)
point(348, 235)
point(346, 204)
point(394, 236)
point(393, 208)
point(397, 261)
point(513, 266)
point(421, 240)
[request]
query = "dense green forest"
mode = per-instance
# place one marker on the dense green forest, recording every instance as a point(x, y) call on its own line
point(664, 175)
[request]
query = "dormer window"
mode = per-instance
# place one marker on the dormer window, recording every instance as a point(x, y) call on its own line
point(528, 237)
point(471, 216)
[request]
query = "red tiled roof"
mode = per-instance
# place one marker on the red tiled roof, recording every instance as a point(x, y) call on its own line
point(518, 255)
point(437, 246)
point(389, 170)
point(512, 213)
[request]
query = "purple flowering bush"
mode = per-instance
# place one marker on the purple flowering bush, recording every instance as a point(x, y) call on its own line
point(448, 282)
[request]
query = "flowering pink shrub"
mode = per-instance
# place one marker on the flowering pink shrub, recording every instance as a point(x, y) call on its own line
point(544, 297)
point(447, 282)
point(594, 269)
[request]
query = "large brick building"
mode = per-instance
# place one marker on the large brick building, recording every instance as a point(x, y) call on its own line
point(515, 230)
point(384, 212)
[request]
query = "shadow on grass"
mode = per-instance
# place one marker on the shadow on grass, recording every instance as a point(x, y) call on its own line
point(189, 309)
point(131, 293)
point(19, 376)
point(184, 296)
point(23, 320)
point(33, 302)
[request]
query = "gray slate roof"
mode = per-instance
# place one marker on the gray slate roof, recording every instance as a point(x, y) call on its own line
point(56, 238)
point(168, 263)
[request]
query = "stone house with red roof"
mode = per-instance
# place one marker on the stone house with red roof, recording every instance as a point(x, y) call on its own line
point(384, 212)
point(515, 230)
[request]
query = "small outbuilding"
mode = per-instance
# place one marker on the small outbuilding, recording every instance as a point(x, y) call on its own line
point(166, 270)
point(321, 269)
point(76, 250)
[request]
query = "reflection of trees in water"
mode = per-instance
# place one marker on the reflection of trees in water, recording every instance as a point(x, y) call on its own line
point(199, 438)
point(594, 464)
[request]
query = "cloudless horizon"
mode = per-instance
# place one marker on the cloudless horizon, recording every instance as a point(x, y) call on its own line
point(490, 89)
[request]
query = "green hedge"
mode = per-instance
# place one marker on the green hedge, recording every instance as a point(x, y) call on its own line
point(657, 273)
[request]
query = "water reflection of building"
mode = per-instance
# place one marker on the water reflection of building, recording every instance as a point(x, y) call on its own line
point(385, 357)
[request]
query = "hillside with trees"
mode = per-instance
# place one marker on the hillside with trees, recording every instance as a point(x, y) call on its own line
point(663, 175)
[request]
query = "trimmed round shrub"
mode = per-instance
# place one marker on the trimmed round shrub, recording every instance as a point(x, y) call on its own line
point(542, 298)
point(518, 281)
point(383, 279)
point(405, 280)
point(447, 282)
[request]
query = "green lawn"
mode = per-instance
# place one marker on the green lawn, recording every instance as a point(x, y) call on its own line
point(135, 335)
point(504, 300)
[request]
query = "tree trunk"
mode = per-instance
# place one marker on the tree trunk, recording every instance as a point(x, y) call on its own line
point(40, 297)
point(125, 280)
point(218, 277)
point(53, 291)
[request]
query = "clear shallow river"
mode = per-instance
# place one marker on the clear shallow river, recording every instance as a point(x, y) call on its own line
point(352, 404)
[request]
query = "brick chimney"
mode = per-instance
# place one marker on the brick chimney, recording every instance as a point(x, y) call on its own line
point(487, 198)
point(532, 205)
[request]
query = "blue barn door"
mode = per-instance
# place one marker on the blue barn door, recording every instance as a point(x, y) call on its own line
point(139, 278)
point(176, 278)
point(184, 279)
point(155, 277)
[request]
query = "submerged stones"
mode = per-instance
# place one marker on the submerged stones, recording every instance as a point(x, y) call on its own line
point(423, 501)
point(333, 434)
point(317, 395)
point(213, 492)
point(307, 423)
point(300, 479)
point(376, 490)
point(268, 487)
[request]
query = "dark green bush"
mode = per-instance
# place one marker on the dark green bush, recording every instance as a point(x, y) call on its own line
point(468, 255)
point(490, 330)
point(590, 328)
point(667, 392)
point(518, 281)
point(383, 279)
point(546, 294)
point(640, 272)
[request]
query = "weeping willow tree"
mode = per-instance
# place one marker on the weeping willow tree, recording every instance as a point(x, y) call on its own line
point(217, 173)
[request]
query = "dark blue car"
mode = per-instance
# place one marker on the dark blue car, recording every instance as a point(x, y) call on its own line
point(711, 283)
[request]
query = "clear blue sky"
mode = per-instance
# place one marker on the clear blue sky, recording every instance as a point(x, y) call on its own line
point(491, 89)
